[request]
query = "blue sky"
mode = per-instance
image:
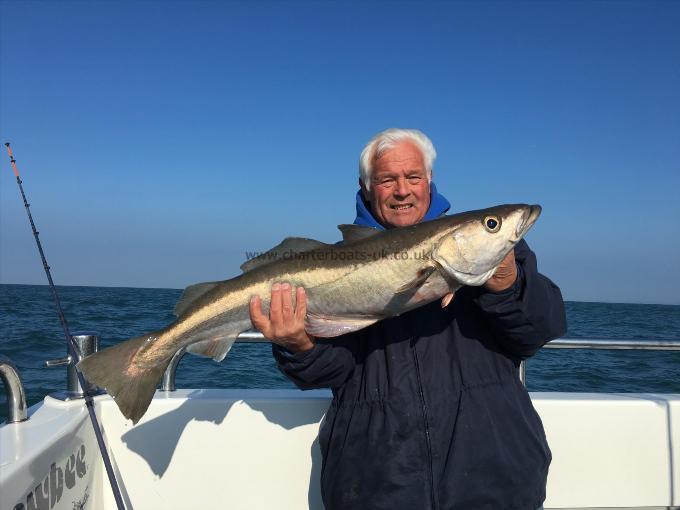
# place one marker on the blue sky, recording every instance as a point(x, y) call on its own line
point(159, 141)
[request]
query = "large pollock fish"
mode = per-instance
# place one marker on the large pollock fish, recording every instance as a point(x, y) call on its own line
point(372, 275)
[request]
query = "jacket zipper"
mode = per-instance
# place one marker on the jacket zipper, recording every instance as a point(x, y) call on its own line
point(423, 408)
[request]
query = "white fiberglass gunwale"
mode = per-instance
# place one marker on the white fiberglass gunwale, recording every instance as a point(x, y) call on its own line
point(206, 447)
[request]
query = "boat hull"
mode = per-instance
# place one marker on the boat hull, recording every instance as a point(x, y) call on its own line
point(259, 449)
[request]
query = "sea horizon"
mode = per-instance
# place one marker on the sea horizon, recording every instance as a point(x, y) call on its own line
point(31, 334)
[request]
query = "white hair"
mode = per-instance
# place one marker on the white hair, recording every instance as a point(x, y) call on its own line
point(385, 141)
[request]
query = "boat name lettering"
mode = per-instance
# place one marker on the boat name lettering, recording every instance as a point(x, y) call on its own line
point(48, 493)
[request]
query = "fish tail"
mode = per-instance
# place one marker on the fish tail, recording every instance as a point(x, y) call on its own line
point(132, 386)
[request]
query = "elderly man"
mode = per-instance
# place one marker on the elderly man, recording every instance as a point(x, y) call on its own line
point(428, 411)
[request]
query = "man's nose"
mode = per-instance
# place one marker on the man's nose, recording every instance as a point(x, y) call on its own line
point(402, 189)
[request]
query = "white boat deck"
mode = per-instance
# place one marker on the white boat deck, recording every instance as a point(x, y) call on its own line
point(252, 449)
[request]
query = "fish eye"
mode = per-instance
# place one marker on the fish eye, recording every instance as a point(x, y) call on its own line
point(492, 223)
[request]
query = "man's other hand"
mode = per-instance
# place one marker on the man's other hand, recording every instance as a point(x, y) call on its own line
point(505, 275)
point(285, 325)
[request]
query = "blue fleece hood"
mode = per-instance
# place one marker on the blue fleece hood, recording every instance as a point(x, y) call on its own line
point(438, 206)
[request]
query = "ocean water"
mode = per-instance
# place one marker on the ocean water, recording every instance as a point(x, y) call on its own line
point(30, 334)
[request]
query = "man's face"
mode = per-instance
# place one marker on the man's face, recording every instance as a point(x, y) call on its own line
point(400, 193)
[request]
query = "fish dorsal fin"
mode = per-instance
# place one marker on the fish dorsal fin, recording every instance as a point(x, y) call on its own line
point(283, 251)
point(351, 233)
point(191, 294)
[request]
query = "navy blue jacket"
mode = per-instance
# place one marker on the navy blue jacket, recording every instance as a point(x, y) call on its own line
point(428, 411)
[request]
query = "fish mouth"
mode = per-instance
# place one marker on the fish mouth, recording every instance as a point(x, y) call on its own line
point(529, 217)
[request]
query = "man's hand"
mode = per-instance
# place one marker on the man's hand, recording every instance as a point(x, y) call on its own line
point(505, 274)
point(285, 325)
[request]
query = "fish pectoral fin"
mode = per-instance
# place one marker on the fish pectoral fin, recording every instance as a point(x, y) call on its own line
point(420, 278)
point(329, 326)
point(447, 299)
point(191, 294)
point(288, 247)
point(351, 233)
point(450, 280)
point(216, 347)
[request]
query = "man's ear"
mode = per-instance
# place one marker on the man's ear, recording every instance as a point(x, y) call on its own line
point(364, 191)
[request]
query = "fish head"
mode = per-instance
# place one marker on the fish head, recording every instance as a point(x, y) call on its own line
point(473, 247)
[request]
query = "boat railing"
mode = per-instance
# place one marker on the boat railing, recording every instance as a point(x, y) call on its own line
point(604, 344)
point(14, 387)
point(168, 383)
point(16, 396)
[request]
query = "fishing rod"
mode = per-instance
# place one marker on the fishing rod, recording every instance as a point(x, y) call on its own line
point(72, 349)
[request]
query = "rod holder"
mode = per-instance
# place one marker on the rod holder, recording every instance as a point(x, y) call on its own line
point(16, 395)
point(86, 344)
